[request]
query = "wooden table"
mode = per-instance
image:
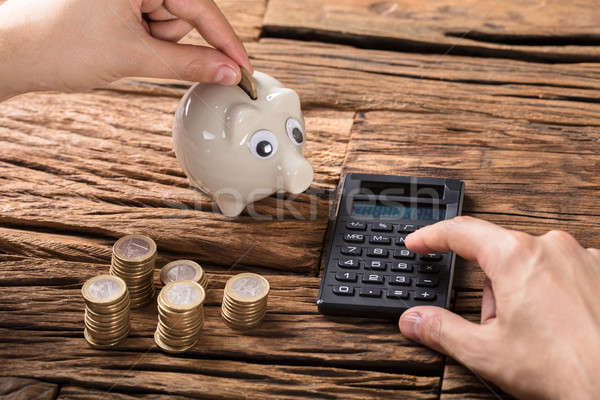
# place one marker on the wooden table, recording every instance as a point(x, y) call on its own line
point(504, 96)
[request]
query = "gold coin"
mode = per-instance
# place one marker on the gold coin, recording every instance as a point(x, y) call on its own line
point(180, 315)
point(104, 290)
point(134, 249)
point(182, 295)
point(244, 302)
point(248, 84)
point(183, 270)
point(247, 288)
point(102, 344)
point(170, 349)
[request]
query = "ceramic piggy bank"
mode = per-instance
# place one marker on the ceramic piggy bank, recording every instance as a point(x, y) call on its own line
point(240, 150)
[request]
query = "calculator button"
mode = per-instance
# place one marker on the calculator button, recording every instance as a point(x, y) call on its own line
point(354, 238)
point(400, 241)
point(425, 295)
point(397, 294)
point(349, 263)
point(431, 257)
point(429, 269)
point(380, 239)
point(369, 292)
point(404, 253)
point(356, 226)
point(343, 290)
point(351, 251)
point(346, 276)
point(382, 227)
point(377, 252)
point(427, 282)
point(372, 278)
point(399, 280)
point(402, 267)
point(376, 265)
point(407, 228)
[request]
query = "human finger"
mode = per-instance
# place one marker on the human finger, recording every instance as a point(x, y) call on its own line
point(162, 59)
point(172, 31)
point(446, 332)
point(471, 238)
point(488, 303)
point(161, 14)
point(210, 22)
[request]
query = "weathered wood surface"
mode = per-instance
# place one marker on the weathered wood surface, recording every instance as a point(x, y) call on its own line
point(42, 315)
point(442, 89)
point(520, 175)
point(347, 78)
point(245, 16)
point(13, 388)
point(553, 31)
point(101, 164)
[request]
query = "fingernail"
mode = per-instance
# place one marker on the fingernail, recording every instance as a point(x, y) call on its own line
point(409, 325)
point(226, 75)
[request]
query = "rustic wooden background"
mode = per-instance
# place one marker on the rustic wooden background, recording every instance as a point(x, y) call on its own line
point(503, 95)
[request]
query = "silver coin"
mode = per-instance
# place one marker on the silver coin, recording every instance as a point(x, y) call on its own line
point(247, 287)
point(134, 248)
point(183, 294)
point(103, 289)
point(181, 272)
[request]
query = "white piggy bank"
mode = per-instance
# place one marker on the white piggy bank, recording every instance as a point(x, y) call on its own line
point(240, 150)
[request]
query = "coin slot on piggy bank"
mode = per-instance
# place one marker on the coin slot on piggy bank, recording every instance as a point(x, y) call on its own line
point(238, 149)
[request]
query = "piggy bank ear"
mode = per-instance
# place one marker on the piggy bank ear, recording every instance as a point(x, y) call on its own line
point(240, 118)
point(284, 99)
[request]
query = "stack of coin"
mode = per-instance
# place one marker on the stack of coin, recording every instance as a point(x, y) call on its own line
point(183, 270)
point(245, 300)
point(133, 260)
point(107, 311)
point(180, 316)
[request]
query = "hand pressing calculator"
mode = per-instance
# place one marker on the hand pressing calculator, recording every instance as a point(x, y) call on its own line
point(369, 271)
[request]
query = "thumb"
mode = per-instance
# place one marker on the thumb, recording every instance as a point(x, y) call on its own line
point(445, 332)
point(161, 59)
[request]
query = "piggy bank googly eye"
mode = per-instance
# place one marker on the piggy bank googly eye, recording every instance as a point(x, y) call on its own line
point(240, 150)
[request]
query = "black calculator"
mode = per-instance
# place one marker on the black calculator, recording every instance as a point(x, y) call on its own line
point(369, 272)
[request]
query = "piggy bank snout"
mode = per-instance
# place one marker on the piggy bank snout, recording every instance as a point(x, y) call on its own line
point(297, 175)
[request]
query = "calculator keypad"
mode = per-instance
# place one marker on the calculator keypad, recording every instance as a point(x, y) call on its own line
point(373, 262)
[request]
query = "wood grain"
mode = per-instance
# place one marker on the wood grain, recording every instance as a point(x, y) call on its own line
point(536, 30)
point(244, 15)
point(101, 164)
point(14, 388)
point(38, 294)
point(347, 78)
point(295, 350)
point(519, 175)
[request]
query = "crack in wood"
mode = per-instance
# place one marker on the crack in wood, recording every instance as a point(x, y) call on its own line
point(374, 42)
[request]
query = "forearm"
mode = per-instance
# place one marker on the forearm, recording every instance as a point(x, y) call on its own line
point(9, 84)
point(14, 80)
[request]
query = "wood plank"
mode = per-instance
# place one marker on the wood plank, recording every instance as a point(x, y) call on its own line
point(14, 388)
point(101, 164)
point(292, 354)
point(151, 372)
point(524, 176)
point(38, 294)
point(76, 247)
point(348, 78)
point(538, 30)
point(71, 392)
point(245, 16)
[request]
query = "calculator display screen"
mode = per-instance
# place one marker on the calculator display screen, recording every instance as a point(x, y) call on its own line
point(395, 210)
